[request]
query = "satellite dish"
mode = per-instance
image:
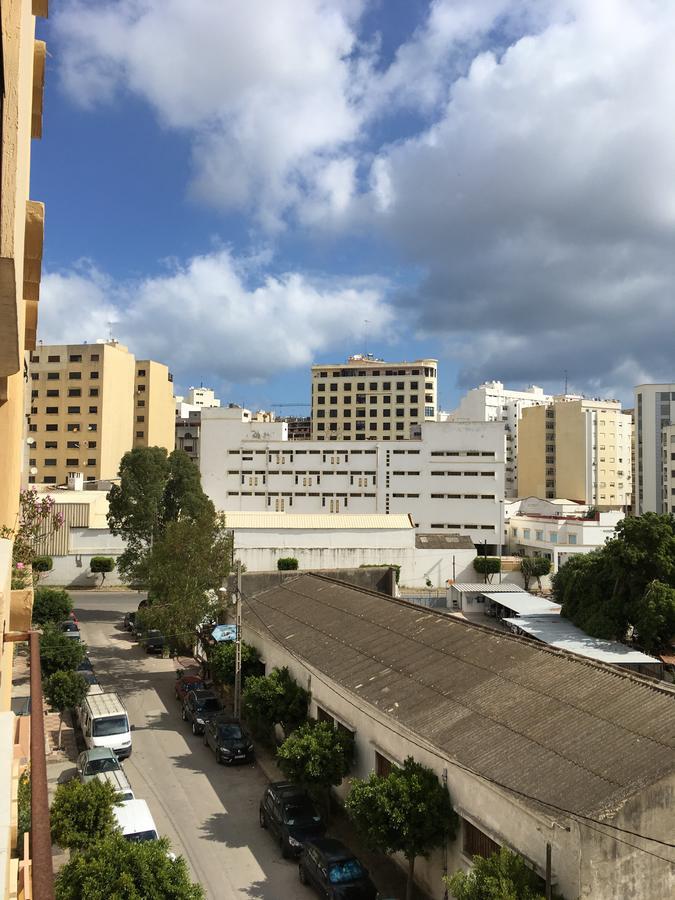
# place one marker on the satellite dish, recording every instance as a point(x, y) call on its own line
point(30, 441)
point(33, 470)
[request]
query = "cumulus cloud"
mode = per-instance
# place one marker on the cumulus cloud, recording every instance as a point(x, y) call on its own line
point(542, 202)
point(214, 312)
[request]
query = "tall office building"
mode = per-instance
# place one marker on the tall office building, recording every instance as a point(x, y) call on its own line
point(90, 404)
point(369, 399)
point(578, 449)
point(492, 402)
point(654, 448)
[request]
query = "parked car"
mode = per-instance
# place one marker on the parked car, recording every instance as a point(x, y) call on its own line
point(129, 620)
point(188, 683)
point(70, 629)
point(334, 872)
point(94, 762)
point(153, 641)
point(291, 817)
point(199, 707)
point(85, 665)
point(228, 740)
point(89, 677)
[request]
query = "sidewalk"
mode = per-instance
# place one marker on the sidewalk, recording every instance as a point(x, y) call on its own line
point(387, 875)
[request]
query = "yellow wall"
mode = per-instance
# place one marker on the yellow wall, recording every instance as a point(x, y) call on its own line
point(155, 408)
point(531, 453)
point(570, 442)
point(117, 419)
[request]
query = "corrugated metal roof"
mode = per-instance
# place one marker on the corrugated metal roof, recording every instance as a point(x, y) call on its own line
point(278, 520)
point(523, 603)
point(563, 635)
point(479, 587)
point(555, 727)
point(443, 542)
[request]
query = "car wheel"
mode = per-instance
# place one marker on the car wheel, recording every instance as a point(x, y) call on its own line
point(302, 875)
point(263, 819)
point(183, 714)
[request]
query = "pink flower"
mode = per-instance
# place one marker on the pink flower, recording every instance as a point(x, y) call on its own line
point(20, 566)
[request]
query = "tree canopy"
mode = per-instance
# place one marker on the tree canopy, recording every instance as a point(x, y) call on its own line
point(315, 755)
point(274, 698)
point(222, 661)
point(58, 652)
point(534, 567)
point(65, 690)
point(117, 869)
point(502, 876)
point(406, 812)
point(487, 566)
point(82, 814)
point(51, 605)
point(625, 585)
point(155, 488)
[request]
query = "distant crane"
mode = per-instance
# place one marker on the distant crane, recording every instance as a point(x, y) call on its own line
point(280, 405)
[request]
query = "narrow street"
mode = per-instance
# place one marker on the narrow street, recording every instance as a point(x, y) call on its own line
point(209, 812)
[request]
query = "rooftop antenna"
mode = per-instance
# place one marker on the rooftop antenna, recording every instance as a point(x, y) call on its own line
point(565, 382)
point(366, 323)
point(110, 331)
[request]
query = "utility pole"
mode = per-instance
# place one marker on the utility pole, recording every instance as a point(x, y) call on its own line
point(237, 664)
point(549, 892)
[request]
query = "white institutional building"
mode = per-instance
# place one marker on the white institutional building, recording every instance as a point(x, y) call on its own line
point(654, 475)
point(492, 402)
point(449, 479)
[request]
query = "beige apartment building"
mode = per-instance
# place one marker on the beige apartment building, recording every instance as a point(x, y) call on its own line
point(21, 236)
point(369, 399)
point(579, 449)
point(90, 404)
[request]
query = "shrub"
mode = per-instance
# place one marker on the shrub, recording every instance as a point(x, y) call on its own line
point(502, 876)
point(100, 565)
point(487, 566)
point(287, 564)
point(51, 605)
point(222, 661)
point(275, 698)
point(43, 564)
point(63, 691)
point(58, 652)
point(82, 814)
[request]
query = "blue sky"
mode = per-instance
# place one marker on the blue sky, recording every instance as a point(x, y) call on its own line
point(239, 187)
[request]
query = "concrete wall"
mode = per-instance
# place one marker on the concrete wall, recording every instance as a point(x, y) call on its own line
point(499, 815)
point(376, 579)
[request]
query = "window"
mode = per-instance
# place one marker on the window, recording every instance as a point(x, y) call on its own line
point(93, 392)
point(383, 766)
point(526, 533)
point(140, 418)
point(333, 386)
point(73, 445)
point(53, 376)
point(52, 410)
point(91, 462)
point(140, 434)
point(47, 427)
point(514, 531)
point(400, 385)
point(36, 393)
point(141, 373)
point(400, 426)
point(93, 409)
point(428, 411)
point(53, 359)
point(71, 461)
point(539, 535)
point(320, 400)
point(93, 375)
point(400, 411)
point(74, 392)
point(554, 537)
point(53, 393)
point(75, 357)
point(50, 479)
point(72, 426)
point(91, 445)
point(73, 409)
point(477, 843)
point(95, 357)
point(75, 376)
point(51, 445)
point(92, 427)
point(50, 462)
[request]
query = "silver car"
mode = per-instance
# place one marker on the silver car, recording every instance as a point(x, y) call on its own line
point(96, 763)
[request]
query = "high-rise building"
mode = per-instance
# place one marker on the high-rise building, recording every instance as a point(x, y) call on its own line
point(492, 402)
point(90, 404)
point(577, 449)
point(194, 400)
point(654, 448)
point(369, 399)
point(21, 235)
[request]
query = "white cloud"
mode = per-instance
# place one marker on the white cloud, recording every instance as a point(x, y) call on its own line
point(205, 316)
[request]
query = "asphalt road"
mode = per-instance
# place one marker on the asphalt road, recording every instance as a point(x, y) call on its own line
point(209, 812)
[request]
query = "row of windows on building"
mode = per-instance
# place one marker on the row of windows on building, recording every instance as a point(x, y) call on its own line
point(71, 445)
point(360, 412)
point(72, 357)
point(374, 386)
point(539, 535)
point(70, 426)
point(72, 376)
point(52, 479)
point(427, 371)
point(70, 461)
point(72, 392)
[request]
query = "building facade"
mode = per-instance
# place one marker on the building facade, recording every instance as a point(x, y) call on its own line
point(21, 240)
point(369, 399)
point(188, 430)
point(195, 400)
point(90, 404)
point(450, 479)
point(492, 402)
point(576, 449)
point(654, 449)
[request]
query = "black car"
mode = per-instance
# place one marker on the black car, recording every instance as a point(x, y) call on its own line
point(70, 629)
point(199, 707)
point(333, 870)
point(228, 740)
point(129, 620)
point(290, 816)
point(153, 641)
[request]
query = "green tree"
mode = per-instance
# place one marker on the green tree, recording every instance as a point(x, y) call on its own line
point(82, 814)
point(51, 605)
point(487, 566)
point(534, 567)
point(287, 564)
point(274, 698)
point(654, 619)
point(222, 661)
point(42, 564)
point(502, 876)
point(186, 566)
point(100, 565)
point(316, 755)
point(406, 812)
point(63, 691)
point(117, 869)
point(184, 496)
point(58, 652)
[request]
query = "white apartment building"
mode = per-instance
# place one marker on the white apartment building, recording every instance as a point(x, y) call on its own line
point(195, 400)
point(369, 399)
point(654, 448)
point(449, 479)
point(492, 402)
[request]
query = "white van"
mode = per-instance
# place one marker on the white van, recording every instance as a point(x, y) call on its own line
point(105, 723)
point(135, 821)
point(120, 783)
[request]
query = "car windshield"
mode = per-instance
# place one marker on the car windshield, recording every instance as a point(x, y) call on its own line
point(110, 725)
point(108, 764)
point(344, 871)
point(208, 704)
point(230, 732)
point(138, 836)
point(302, 813)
